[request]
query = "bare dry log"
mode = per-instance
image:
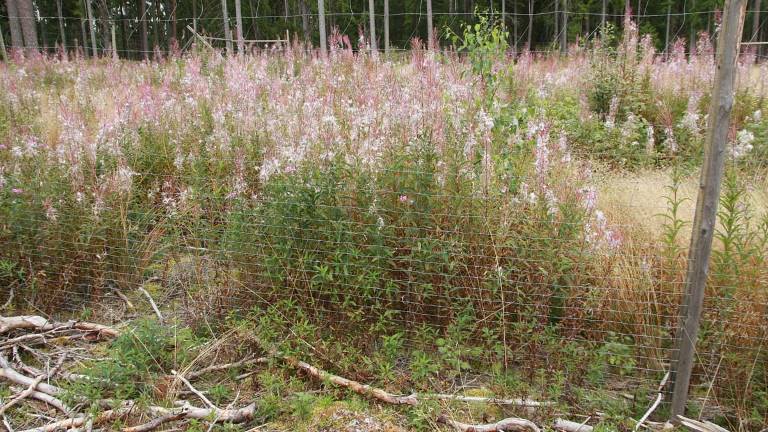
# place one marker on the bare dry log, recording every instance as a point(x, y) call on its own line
point(511, 424)
point(35, 322)
point(571, 426)
point(699, 426)
point(488, 400)
point(50, 400)
point(355, 386)
point(10, 374)
point(164, 415)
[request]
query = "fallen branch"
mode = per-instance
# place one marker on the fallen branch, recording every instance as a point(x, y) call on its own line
point(659, 398)
point(164, 415)
point(152, 303)
point(10, 374)
point(25, 322)
point(488, 400)
point(215, 368)
point(511, 424)
point(699, 426)
point(194, 390)
point(571, 426)
point(362, 389)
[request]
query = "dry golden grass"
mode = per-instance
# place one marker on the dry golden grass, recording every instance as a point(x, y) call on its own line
point(636, 201)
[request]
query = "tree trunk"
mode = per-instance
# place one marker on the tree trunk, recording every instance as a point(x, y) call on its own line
point(173, 44)
point(321, 25)
point(304, 19)
point(62, 35)
point(17, 39)
point(514, 26)
point(602, 13)
point(239, 27)
point(430, 30)
point(26, 11)
point(155, 24)
point(92, 27)
point(557, 21)
point(106, 28)
point(530, 25)
point(386, 26)
point(225, 20)
point(372, 25)
point(564, 30)
point(144, 37)
point(666, 36)
point(692, 40)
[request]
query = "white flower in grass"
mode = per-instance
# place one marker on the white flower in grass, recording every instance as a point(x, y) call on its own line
point(743, 144)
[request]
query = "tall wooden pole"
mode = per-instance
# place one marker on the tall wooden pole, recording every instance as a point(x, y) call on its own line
point(239, 27)
point(321, 21)
point(227, 32)
point(386, 26)
point(692, 41)
point(530, 24)
point(430, 30)
point(704, 223)
point(85, 37)
point(372, 24)
point(756, 26)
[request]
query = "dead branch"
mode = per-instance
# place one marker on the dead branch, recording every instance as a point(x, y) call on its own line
point(50, 400)
point(152, 303)
point(488, 400)
point(10, 374)
point(28, 391)
point(362, 389)
point(511, 424)
point(699, 426)
point(35, 322)
point(215, 368)
point(155, 423)
point(164, 415)
point(194, 390)
point(656, 402)
point(571, 426)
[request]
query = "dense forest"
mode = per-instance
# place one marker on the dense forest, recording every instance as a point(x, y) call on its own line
point(142, 26)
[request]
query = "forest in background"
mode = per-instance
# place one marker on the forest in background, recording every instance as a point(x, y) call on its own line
point(142, 26)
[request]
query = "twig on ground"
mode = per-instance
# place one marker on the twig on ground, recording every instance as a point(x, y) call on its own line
point(355, 386)
point(194, 390)
point(511, 424)
point(152, 303)
point(25, 322)
point(215, 368)
point(10, 299)
point(488, 400)
point(659, 398)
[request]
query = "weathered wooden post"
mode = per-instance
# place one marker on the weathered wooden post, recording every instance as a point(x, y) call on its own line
point(227, 32)
point(239, 27)
point(92, 22)
point(386, 26)
point(430, 30)
point(114, 43)
point(707, 202)
point(2, 46)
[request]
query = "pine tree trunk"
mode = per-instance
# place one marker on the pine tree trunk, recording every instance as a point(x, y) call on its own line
point(26, 11)
point(62, 35)
point(17, 39)
point(144, 36)
point(106, 30)
point(530, 25)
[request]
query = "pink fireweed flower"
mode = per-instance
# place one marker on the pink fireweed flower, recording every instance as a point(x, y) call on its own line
point(404, 199)
point(17, 191)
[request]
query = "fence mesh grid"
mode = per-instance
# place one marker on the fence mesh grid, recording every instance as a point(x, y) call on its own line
point(349, 198)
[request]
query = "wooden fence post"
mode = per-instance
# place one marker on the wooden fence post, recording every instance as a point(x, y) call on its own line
point(386, 27)
point(114, 43)
point(707, 202)
point(227, 32)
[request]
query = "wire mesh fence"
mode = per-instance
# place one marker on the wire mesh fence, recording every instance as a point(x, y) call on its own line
point(528, 226)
